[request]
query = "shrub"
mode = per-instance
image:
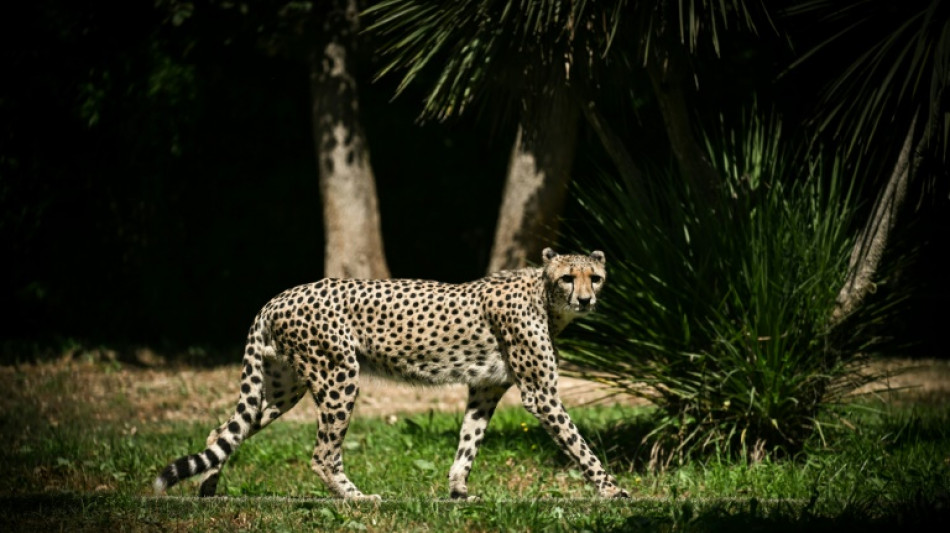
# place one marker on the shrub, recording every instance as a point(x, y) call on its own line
point(719, 314)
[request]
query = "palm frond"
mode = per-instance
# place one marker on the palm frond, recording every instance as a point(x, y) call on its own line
point(472, 44)
point(894, 61)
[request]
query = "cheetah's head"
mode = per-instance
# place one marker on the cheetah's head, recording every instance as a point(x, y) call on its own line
point(573, 281)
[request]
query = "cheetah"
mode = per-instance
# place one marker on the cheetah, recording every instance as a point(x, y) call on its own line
point(489, 334)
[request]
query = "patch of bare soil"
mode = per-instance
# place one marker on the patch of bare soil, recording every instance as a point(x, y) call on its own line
point(107, 391)
point(906, 380)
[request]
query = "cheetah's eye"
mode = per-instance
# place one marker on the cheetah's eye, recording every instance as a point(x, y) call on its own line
point(596, 279)
point(567, 278)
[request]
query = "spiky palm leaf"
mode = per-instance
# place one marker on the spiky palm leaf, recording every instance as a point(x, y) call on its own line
point(895, 64)
point(472, 43)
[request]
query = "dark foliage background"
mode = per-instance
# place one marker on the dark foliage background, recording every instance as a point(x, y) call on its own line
point(158, 183)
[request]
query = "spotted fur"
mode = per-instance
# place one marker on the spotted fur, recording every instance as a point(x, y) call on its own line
point(490, 334)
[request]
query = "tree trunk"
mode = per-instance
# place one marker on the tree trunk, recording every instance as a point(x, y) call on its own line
point(668, 76)
point(538, 175)
point(872, 241)
point(354, 242)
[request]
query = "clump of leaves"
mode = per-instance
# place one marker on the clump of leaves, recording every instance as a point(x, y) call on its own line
point(719, 315)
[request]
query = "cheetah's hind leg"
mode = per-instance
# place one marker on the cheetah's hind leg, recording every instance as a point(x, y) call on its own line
point(281, 392)
point(335, 395)
point(482, 401)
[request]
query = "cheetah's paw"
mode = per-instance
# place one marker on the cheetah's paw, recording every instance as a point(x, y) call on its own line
point(360, 497)
point(613, 491)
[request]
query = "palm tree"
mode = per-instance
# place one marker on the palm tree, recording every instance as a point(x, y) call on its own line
point(895, 75)
point(487, 46)
point(354, 243)
point(547, 57)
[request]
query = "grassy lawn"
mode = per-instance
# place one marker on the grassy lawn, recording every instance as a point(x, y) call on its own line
point(70, 465)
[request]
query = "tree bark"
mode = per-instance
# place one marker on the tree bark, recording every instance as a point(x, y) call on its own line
point(539, 172)
point(354, 242)
point(668, 77)
point(872, 241)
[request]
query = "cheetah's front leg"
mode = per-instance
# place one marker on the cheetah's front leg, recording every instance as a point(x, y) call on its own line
point(535, 367)
point(481, 407)
point(546, 406)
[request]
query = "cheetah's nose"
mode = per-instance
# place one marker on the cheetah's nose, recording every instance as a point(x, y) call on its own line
point(585, 302)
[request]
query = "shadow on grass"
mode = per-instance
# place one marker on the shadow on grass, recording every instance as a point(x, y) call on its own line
point(108, 511)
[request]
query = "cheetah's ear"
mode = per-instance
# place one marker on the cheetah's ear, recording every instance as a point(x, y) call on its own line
point(598, 256)
point(548, 254)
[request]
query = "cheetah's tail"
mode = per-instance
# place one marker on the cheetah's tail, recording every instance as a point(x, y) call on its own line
point(224, 440)
point(191, 465)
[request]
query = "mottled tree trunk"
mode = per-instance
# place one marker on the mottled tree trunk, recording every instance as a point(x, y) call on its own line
point(354, 242)
point(872, 241)
point(539, 172)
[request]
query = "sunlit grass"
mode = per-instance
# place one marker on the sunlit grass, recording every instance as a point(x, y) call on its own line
point(85, 475)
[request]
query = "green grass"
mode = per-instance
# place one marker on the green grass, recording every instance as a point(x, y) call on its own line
point(892, 470)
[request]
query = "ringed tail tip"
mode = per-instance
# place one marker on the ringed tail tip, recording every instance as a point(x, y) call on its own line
point(159, 485)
